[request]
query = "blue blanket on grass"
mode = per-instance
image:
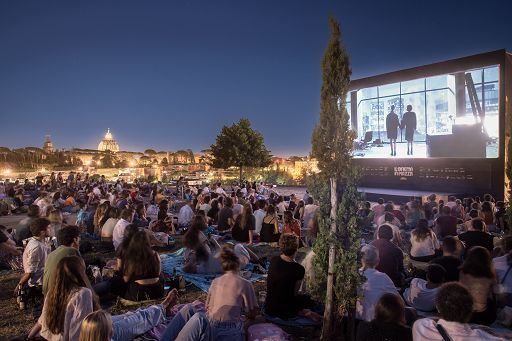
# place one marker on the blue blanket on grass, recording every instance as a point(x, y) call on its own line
point(171, 261)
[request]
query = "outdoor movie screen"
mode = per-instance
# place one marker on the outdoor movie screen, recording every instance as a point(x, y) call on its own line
point(452, 115)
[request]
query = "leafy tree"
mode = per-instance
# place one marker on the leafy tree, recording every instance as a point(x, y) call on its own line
point(336, 249)
point(108, 160)
point(164, 162)
point(239, 146)
point(150, 152)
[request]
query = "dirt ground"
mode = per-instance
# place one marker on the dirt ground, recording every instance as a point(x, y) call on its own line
point(15, 322)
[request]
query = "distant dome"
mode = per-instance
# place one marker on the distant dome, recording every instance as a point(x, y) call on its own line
point(108, 143)
point(48, 145)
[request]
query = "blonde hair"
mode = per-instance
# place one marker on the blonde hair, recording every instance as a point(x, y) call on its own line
point(97, 326)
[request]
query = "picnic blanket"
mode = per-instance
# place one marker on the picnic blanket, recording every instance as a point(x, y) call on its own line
point(171, 261)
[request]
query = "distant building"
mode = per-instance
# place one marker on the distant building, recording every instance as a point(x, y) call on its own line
point(48, 145)
point(108, 143)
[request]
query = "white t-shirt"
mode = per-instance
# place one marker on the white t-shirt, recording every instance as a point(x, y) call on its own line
point(34, 259)
point(426, 247)
point(377, 284)
point(281, 207)
point(118, 234)
point(186, 215)
point(419, 296)
point(259, 215)
point(425, 330)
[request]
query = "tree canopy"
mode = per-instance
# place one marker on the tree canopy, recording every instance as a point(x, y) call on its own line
point(239, 146)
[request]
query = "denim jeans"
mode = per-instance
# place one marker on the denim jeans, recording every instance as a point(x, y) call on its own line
point(188, 325)
point(129, 325)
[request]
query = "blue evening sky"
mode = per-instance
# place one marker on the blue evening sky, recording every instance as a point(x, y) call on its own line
point(169, 74)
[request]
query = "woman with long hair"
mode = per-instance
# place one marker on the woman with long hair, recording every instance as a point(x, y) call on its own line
point(424, 243)
point(213, 212)
point(55, 218)
point(245, 224)
point(108, 223)
point(478, 275)
point(97, 326)
point(291, 225)
point(298, 213)
point(141, 269)
point(69, 300)
point(98, 216)
point(270, 228)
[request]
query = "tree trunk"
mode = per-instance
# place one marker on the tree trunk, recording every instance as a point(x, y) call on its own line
point(329, 315)
point(240, 173)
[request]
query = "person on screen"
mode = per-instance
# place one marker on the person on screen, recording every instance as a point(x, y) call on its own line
point(409, 124)
point(392, 124)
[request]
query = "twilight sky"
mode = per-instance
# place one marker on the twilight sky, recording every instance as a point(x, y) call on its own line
point(169, 74)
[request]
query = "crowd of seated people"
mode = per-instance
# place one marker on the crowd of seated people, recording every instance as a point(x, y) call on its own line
point(451, 239)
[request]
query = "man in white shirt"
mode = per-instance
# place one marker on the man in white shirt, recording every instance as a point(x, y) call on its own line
point(35, 254)
point(421, 294)
point(259, 215)
point(455, 306)
point(219, 190)
point(185, 215)
point(206, 189)
point(376, 285)
point(126, 219)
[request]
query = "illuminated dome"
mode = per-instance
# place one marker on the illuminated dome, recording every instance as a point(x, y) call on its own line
point(108, 143)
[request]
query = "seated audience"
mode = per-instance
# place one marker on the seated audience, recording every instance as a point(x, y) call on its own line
point(185, 215)
point(424, 243)
point(68, 302)
point(291, 225)
point(378, 210)
point(139, 218)
point(477, 274)
point(245, 225)
point(226, 218)
point(23, 227)
point(450, 260)
point(455, 305)
point(283, 282)
point(269, 227)
point(446, 224)
point(125, 220)
point(388, 324)
point(503, 266)
point(141, 269)
point(228, 298)
point(259, 215)
point(107, 228)
point(389, 219)
point(421, 294)
point(202, 253)
point(34, 256)
point(376, 285)
point(391, 257)
point(69, 243)
point(477, 237)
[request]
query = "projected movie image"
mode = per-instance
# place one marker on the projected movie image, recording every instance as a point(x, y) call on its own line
point(452, 115)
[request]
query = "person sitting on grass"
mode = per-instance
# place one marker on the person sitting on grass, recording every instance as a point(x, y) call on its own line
point(421, 294)
point(228, 298)
point(69, 243)
point(477, 274)
point(388, 324)
point(450, 260)
point(245, 225)
point(455, 305)
point(376, 285)
point(284, 279)
point(269, 227)
point(424, 243)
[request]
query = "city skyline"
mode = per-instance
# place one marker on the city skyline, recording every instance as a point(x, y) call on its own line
point(168, 76)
